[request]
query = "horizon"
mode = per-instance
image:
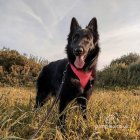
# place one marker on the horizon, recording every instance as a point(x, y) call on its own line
point(40, 28)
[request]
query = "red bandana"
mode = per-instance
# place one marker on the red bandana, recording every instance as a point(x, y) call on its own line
point(83, 76)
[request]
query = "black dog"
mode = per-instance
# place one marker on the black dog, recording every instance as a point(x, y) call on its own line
point(82, 54)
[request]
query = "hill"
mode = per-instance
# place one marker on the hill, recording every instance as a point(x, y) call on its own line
point(17, 69)
point(20, 70)
point(122, 72)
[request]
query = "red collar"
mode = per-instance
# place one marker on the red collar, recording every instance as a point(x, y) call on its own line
point(84, 77)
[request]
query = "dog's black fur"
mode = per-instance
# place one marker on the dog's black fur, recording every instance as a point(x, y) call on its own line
point(83, 45)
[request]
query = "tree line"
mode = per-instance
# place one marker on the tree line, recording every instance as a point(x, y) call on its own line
point(121, 72)
point(21, 70)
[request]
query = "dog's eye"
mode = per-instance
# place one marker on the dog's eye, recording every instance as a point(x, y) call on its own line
point(87, 36)
point(75, 37)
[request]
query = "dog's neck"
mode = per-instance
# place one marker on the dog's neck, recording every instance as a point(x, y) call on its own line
point(83, 76)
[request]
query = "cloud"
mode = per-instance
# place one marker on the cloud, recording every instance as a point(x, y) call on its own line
point(41, 27)
point(118, 42)
point(119, 32)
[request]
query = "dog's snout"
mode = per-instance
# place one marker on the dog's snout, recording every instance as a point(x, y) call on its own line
point(79, 51)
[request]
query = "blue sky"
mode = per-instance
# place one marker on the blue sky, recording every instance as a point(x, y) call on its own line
point(40, 27)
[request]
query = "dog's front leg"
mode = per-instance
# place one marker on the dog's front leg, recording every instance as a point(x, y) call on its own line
point(83, 105)
point(83, 101)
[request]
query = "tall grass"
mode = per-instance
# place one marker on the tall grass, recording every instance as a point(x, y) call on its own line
point(111, 115)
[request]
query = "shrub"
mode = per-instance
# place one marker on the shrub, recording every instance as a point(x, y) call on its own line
point(17, 69)
point(122, 72)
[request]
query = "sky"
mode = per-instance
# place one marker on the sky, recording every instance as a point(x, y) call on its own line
point(41, 27)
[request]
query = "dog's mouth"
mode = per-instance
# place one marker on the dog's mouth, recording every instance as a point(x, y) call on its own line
point(79, 61)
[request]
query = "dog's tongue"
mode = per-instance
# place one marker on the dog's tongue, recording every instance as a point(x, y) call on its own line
point(79, 62)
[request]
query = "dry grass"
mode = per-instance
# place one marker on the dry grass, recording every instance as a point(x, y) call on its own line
point(111, 115)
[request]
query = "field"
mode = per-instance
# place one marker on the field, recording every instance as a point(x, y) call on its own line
point(112, 114)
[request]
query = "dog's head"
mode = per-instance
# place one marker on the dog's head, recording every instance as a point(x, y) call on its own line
point(82, 45)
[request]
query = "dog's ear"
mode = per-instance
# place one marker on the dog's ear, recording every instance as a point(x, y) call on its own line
point(74, 25)
point(93, 25)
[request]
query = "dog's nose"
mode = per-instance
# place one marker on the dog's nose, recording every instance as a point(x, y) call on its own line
point(79, 51)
